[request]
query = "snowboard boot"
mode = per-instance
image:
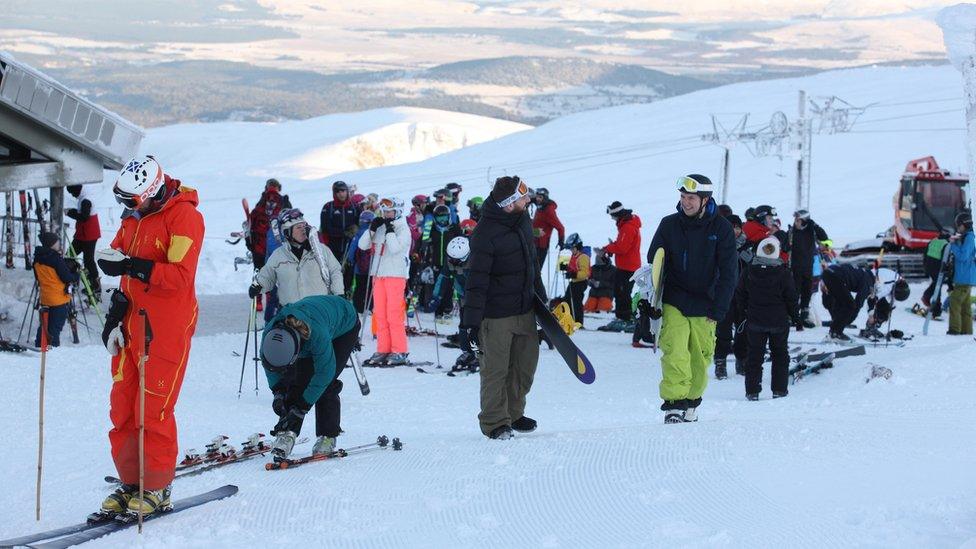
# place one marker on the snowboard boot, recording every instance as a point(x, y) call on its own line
point(690, 415)
point(283, 445)
point(524, 424)
point(720, 369)
point(674, 416)
point(324, 445)
point(377, 359)
point(153, 501)
point(840, 337)
point(752, 396)
point(118, 501)
point(805, 319)
point(780, 394)
point(397, 359)
point(501, 433)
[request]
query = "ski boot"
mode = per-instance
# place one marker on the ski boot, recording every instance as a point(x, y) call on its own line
point(324, 445)
point(283, 445)
point(780, 394)
point(501, 433)
point(153, 501)
point(397, 359)
point(752, 396)
point(378, 359)
point(720, 369)
point(615, 325)
point(524, 424)
point(467, 362)
point(117, 503)
point(805, 319)
point(839, 337)
point(872, 333)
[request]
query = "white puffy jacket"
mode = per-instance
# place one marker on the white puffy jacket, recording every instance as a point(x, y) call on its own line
point(298, 278)
point(391, 252)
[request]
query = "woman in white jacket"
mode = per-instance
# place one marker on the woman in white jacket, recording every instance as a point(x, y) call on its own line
point(296, 268)
point(389, 238)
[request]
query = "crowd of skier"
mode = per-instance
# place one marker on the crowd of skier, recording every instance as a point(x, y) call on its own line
point(730, 287)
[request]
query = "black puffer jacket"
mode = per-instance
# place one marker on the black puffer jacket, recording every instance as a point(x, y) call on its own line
point(601, 280)
point(502, 277)
point(766, 297)
point(803, 245)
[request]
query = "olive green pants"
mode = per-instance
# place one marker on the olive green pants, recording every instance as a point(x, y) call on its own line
point(510, 354)
point(961, 310)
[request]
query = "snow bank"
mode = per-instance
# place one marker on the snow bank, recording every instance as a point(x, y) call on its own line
point(959, 32)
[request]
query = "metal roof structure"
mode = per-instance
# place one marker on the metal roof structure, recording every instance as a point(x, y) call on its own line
point(51, 136)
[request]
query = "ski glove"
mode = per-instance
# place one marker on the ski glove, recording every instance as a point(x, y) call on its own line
point(278, 405)
point(292, 421)
point(115, 263)
point(472, 337)
point(376, 223)
point(112, 335)
point(254, 291)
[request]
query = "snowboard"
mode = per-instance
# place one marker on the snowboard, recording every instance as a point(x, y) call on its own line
point(575, 359)
point(657, 282)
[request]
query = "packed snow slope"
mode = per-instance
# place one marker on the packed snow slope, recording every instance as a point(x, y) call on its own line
point(838, 463)
point(632, 154)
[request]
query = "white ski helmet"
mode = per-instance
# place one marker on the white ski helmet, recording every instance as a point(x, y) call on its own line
point(394, 205)
point(459, 248)
point(140, 180)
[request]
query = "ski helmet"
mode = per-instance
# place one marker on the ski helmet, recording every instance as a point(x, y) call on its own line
point(768, 248)
point(762, 211)
point(573, 241)
point(140, 180)
point(366, 217)
point(884, 282)
point(442, 213)
point(467, 226)
point(458, 248)
point(542, 192)
point(965, 219)
point(750, 214)
point(802, 214)
point(394, 205)
point(442, 193)
point(454, 188)
point(476, 203)
point(279, 348)
point(339, 186)
point(697, 184)
point(901, 290)
point(287, 219)
point(419, 201)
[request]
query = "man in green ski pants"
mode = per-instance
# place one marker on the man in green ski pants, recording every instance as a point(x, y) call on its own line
point(699, 277)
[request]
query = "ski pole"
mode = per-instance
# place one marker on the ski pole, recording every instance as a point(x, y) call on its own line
point(27, 310)
point(256, 358)
point(40, 413)
point(247, 341)
point(142, 411)
point(437, 343)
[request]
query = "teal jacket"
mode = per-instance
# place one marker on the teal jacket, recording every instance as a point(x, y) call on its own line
point(328, 317)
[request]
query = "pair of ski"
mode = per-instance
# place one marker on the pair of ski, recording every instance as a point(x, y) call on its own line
point(382, 442)
point(70, 536)
point(371, 364)
point(453, 372)
point(856, 341)
point(810, 362)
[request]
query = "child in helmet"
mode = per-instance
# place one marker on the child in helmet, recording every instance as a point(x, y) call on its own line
point(889, 287)
point(577, 272)
point(360, 261)
point(303, 350)
point(600, 298)
point(458, 250)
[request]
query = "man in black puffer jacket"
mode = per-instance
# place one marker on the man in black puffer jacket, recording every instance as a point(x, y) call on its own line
point(767, 299)
point(839, 281)
point(498, 317)
point(803, 237)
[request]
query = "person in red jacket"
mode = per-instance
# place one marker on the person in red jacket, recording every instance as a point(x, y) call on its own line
point(626, 252)
point(544, 222)
point(87, 233)
point(155, 251)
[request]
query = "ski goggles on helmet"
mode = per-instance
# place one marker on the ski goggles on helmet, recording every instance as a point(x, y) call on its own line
point(521, 190)
point(801, 214)
point(687, 184)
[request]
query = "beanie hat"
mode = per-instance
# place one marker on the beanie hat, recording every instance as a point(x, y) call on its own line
point(615, 208)
point(505, 187)
point(49, 239)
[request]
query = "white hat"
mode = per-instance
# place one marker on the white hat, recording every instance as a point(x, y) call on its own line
point(768, 248)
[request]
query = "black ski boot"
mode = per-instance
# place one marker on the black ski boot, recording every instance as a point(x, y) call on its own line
point(840, 336)
point(805, 319)
point(720, 369)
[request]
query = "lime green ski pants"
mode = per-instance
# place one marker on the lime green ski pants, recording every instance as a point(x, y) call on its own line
point(687, 345)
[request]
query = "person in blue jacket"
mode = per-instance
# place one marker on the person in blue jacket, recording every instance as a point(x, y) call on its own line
point(962, 247)
point(303, 350)
point(700, 271)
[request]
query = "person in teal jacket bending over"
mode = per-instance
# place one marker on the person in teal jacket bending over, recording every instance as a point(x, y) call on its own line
point(303, 350)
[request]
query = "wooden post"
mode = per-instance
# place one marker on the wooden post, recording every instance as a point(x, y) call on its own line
point(40, 414)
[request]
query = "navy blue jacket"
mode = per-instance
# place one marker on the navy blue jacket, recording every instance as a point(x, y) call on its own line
point(857, 279)
point(700, 262)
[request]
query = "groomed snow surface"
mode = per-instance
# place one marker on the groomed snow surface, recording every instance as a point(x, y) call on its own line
point(839, 463)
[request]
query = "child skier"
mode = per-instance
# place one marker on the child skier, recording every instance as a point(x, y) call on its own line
point(458, 251)
point(54, 275)
point(767, 298)
point(600, 298)
point(303, 350)
point(577, 273)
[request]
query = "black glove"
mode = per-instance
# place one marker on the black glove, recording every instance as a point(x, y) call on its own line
point(118, 305)
point(278, 404)
point(73, 265)
point(254, 291)
point(72, 213)
point(291, 421)
point(140, 269)
point(561, 245)
point(389, 226)
point(563, 266)
point(472, 336)
point(376, 223)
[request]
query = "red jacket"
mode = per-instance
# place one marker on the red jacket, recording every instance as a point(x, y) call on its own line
point(544, 222)
point(626, 249)
point(755, 232)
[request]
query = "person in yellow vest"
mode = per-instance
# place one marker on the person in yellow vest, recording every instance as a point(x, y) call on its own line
point(53, 275)
point(577, 274)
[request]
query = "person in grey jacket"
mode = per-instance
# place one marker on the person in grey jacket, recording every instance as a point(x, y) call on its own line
point(301, 267)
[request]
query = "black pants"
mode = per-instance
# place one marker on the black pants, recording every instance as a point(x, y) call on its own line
point(838, 302)
point(445, 297)
point(327, 407)
point(728, 342)
point(359, 294)
point(622, 289)
point(757, 352)
point(574, 297)
point(803, 279)
point(932, 267)
point(540, 255)
point(56, 317)
point(86, 249)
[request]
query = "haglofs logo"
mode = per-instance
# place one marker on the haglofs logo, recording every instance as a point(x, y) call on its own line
point(132, 166)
